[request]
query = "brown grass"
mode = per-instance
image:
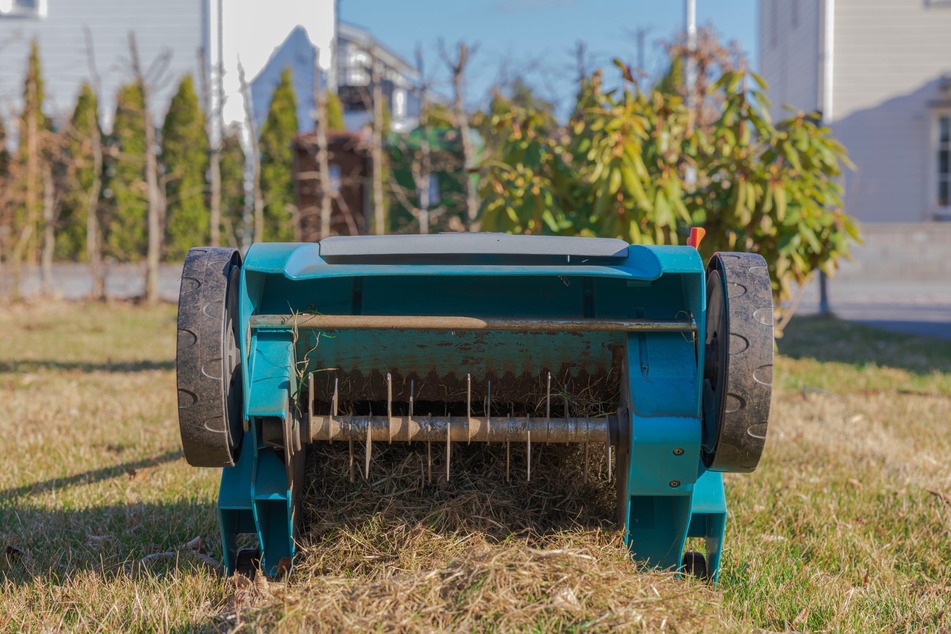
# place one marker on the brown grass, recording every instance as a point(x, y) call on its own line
point(844, 527)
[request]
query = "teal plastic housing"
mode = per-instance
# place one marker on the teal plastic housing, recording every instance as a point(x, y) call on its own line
point(668, 494)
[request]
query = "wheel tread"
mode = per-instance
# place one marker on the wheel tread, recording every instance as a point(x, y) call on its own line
point(202, 307)
point(748, 376)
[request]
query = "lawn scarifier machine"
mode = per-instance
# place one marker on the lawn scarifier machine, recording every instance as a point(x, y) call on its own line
point(460, 338)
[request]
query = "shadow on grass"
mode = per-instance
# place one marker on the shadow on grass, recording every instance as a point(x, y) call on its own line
point(87, 477)
point(13, 366)
point(398, 499)
point(54, 544)
point(832, 339)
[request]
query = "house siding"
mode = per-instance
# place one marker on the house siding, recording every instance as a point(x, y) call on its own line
point(174, 25)
point(790, 54)
point(889, 57)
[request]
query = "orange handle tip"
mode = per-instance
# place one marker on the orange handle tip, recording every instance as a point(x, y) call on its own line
point(696, 237)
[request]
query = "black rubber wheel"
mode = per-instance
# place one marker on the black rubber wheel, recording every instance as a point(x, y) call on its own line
point(695, 564)
point(738, 362)
point(208, 358)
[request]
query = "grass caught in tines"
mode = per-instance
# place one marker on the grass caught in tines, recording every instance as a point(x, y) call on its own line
point(846, 525)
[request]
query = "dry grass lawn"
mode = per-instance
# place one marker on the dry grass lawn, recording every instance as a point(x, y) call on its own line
point(846, 526)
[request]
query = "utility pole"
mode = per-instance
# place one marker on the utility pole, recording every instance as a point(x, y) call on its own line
point(690, 77)
point(324, 202)
point(580, 59)
point(690, 26)
point(423, 172)
point(376, 145)
point(641, 35)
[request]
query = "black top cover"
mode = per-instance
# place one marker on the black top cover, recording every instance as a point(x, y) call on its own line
point(471, 248)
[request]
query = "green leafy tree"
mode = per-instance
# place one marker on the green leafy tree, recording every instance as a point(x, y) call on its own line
point(126, 229)
point(232, 187)
point(184, 156)
point(773, 189)
point(633, 165)
point(79, 176)
point(277, 178)
point(334, 113)
point(527, 186)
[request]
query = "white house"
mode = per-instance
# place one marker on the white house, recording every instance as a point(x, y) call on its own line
point(879, 71)
point(201, 37)
point(249, 32)
point(80, 39)
point(355, 47)
point(350, 74)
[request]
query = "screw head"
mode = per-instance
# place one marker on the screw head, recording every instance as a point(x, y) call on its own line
point(674, 483)
point(678, 451)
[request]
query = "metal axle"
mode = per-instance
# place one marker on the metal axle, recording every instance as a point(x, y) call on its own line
point(463, 429)
point(307, 321)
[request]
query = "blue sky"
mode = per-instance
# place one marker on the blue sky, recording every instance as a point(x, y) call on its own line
point(536, 38)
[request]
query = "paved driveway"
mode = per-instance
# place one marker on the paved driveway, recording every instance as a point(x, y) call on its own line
point(921, 308)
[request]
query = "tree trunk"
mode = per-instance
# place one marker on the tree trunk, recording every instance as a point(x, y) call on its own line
point(379, 215)
point(93, 233)
point(214, 183)
point(155, 210)
point(49, 232)
point(423, 175)
point(212, 121)
point(324, 193)
point(93, 230)
point(154, 194)
point(24, 250)
point(254, 156)
point(462, 123)
point(32, 173)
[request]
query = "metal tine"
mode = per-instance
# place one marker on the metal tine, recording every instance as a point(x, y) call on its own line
point(448, 448)
point(310, 398)
point(548, 406)
point(369, 449)
point(333, 401)
point(336, 399)
point(468, 408)
point(508, 453)
point(548, 398)
point(412, 392)
point(389, 406)
point(529, 433)
point(429, 453)
point(488, 411)
point(350, 429)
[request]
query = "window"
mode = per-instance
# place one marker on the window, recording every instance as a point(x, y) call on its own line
point(434, 189)
point(334, 188)
point(399, 103)
point(943, 162)
point(22, 8)
point(358, 64)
